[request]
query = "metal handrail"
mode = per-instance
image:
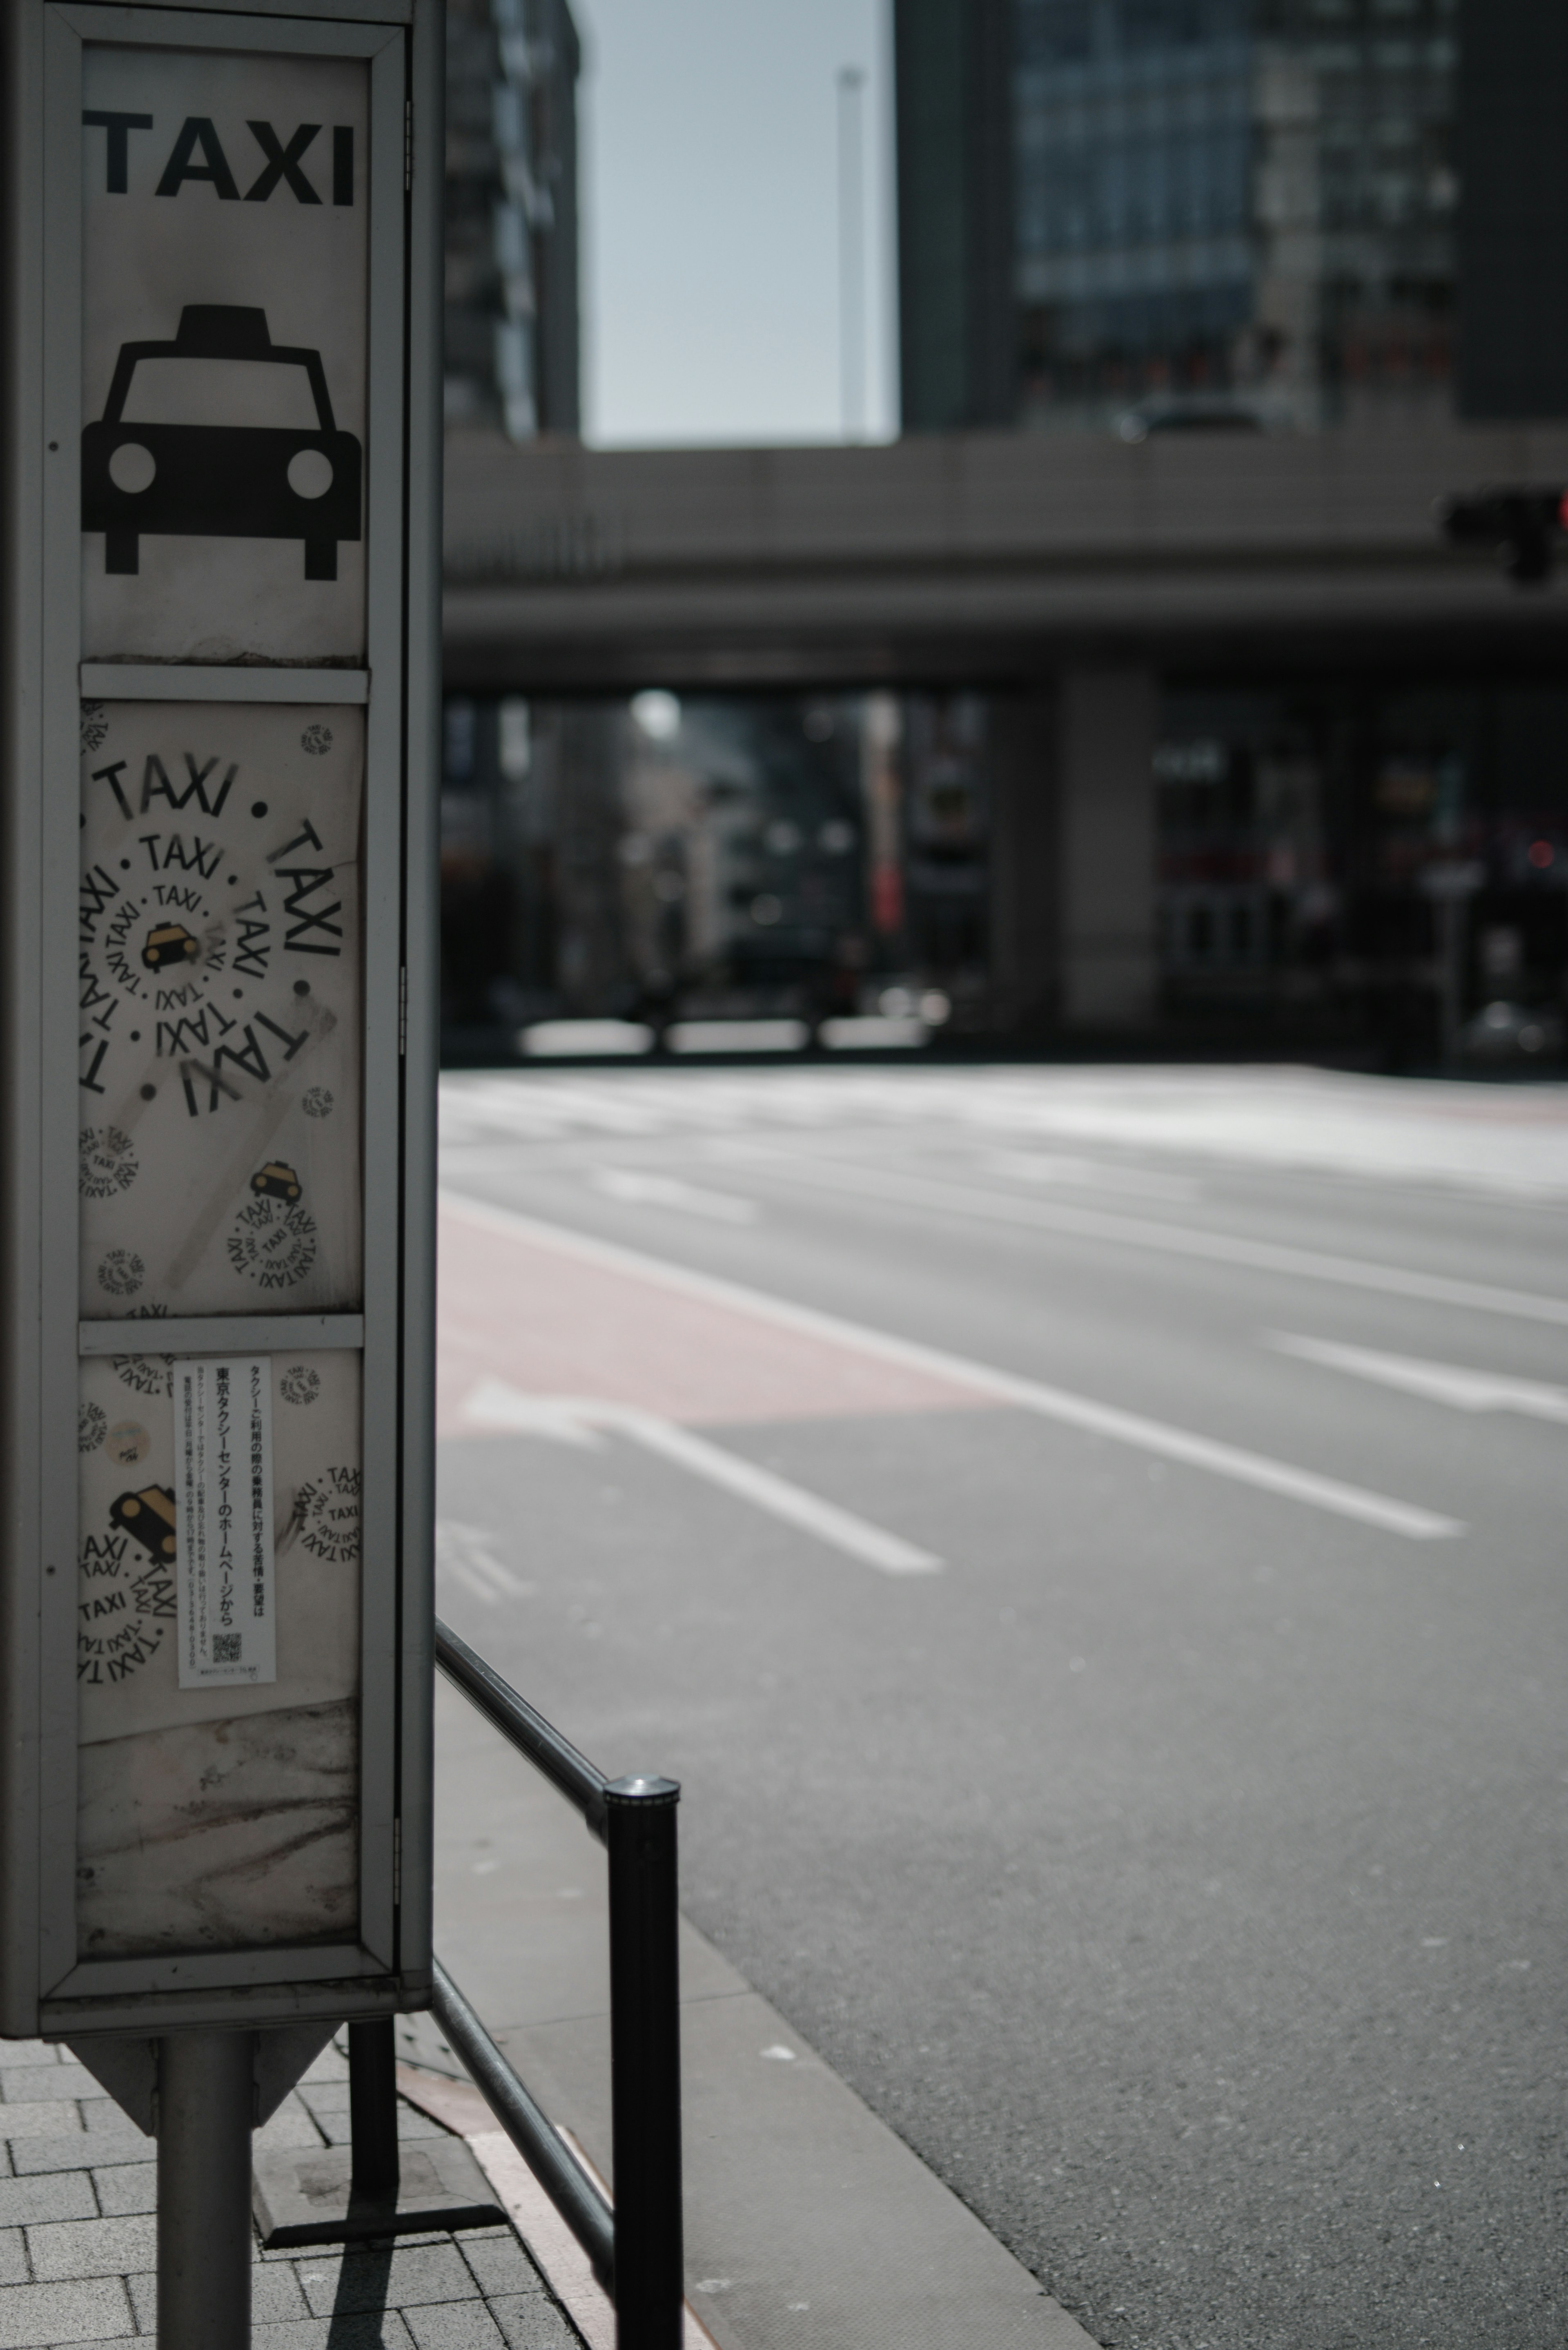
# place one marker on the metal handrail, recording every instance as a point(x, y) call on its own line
point(568, 1771)
point(635, 2246)
point(575, 2195)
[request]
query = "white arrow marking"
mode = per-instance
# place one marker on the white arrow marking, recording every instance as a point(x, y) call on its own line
point(574, 1420)
point(1132, 1427)
point(1444, 1383)
point(560, 1418)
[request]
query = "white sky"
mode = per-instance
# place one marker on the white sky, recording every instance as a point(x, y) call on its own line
point(710, 204)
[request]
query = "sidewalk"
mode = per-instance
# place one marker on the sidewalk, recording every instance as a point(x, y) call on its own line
point(809, 2224)
point(807, 2221)
point(77, 2250)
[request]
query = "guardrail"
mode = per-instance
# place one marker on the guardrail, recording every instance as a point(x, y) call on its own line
point(635, 2248)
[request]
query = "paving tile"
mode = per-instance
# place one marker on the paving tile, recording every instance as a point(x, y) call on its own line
point(54, 2195)
point(42, 2119)
point(42, 2317)
point(89, 2248)
point(332, 2064)
point(34, 2084)
point(122, 2188)
point(143, 2291)
point(500, 2264)
point(31, 2051)
point(276, 2295)
point(397, 2279)
point(290, 2126)
point(454, 2325)
point(14, 2268)
point(324, 2096)
point(31, 2154)
point(531, 2321)
point(101, 2118)
point(365, 2332)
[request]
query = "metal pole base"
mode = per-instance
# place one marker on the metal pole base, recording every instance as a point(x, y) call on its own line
point(205, 2100)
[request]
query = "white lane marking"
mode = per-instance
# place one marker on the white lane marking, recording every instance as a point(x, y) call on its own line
point(464, 1552)
point(503, 1407)
point(1090, 1175)
point(559, 1417)
point(1444, 1383)
point(641, 1189)
point(1178, 1240)
point(1029, 1395)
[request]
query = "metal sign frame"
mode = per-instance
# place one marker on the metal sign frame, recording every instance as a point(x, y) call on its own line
point(44, 1986)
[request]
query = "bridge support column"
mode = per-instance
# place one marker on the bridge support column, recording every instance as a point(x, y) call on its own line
point(1106, 726)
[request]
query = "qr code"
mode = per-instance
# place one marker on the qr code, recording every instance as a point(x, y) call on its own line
point(226, 1647)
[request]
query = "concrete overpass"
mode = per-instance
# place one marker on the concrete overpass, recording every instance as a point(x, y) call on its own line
point(1081, 573)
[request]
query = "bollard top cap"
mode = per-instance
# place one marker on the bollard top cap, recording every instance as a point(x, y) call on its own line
point(638, 1789)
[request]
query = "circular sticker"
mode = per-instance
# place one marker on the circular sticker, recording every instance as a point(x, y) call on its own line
point(121, 1273)
point(274, 1241)
point(317, 1102)
point(127, 1443)
point(95, 726)
point(92, 1421)
point(327, 1513)
point(126, 1601)
point(201, 903)
point(300, 1384)
point(109, 1161)
point(149, 1375)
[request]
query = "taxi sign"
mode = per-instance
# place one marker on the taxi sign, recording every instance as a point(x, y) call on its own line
point(220, 690)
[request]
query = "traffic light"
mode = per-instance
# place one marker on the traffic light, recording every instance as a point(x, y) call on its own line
point(1520, 524)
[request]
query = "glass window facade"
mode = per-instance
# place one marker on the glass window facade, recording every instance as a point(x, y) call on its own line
point(1233, 212)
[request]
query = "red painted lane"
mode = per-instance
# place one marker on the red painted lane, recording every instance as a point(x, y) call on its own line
point(548, 1324)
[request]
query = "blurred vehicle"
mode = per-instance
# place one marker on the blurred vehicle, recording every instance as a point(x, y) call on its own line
point(1195, 415)
point(1502, 1033)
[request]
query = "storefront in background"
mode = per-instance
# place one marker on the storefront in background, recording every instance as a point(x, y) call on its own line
point(1374, 866)
point(665, 859)
point(1372, 870)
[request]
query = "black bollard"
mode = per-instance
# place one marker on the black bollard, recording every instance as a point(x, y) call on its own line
point(645, 2062)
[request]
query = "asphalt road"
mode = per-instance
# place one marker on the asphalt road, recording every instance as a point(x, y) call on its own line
point(1178, 1864)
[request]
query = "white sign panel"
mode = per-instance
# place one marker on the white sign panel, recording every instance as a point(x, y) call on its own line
point(223, 357)
point(222, 1521)
point(219, 986)
point(217, 1810)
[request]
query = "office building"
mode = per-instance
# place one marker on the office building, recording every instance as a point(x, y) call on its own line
point(512, 328)
point(1220, 210)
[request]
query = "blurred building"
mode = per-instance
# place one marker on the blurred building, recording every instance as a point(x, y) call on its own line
point(1112, 736)
point(1176, 211)
point(512, 328)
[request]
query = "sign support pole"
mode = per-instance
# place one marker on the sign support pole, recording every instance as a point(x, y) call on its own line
point(205, 2101)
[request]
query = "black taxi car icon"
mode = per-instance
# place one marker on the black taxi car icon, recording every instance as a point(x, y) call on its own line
point(276, 1181)
point(170, 942)
point(147, 1517)
point(219, 481)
